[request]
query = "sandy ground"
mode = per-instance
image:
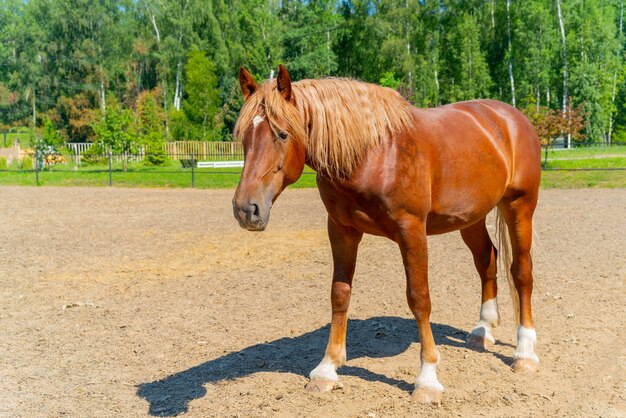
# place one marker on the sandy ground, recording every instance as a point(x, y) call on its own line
point(126, 302)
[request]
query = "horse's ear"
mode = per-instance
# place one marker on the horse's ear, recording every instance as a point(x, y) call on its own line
point(283, 82)
point(247, 83)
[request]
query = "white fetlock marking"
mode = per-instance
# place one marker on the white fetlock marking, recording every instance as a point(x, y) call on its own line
point(257, 119)
point(489, 318)
point(324, 371)
point(526, 340)
point(428, 376)
point(489, 312)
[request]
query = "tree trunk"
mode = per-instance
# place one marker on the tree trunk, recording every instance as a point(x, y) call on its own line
point(508, 31)
point(178, 89)
point(34, 109)
point(537, 102)
point(103, 106)
point(438, 100)
point(565, 71)
point(327, 52)
point(619, 49)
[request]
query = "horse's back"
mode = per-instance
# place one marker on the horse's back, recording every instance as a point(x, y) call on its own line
point(476, 153)
point(488, 133)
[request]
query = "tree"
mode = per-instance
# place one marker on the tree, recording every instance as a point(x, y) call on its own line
point(115, 132)
point(202, 100)
point(309, 36)
point(467, 75)
point(151, 126)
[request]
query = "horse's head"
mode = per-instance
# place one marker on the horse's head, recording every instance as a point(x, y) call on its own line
point(271, 130)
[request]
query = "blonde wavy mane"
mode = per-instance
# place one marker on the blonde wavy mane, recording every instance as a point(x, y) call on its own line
point(337, 120)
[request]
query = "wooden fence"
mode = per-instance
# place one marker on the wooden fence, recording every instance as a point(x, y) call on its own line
point(202, 150)
point(205, 150)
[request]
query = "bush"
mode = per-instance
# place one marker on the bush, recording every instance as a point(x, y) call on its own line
point(619, 136)
point(155, 152)
point(27, 163)
point(94, 155)
point(3, 163)
point(151, 129)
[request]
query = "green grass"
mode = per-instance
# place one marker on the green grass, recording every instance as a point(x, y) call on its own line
point(20, 133)
point(583, 179)
point(609, 162)
point(586, 152)
point(585, 158)
point(138, 175)
point(172, 175)
point(224, 178)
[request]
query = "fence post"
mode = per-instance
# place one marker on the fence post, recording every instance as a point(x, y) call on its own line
point(193, 172)
point(110, 169)
point(37, 168)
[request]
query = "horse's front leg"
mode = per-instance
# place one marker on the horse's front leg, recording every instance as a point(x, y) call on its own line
point(414, 248)
point(344, 242)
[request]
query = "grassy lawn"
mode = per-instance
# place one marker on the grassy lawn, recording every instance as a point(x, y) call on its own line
point(228, 178)
point(586, 152)
point(138, 175)
point(585, 158)
point(172, 175)
point(586, 163)
point(21, 134)
point(583, 179)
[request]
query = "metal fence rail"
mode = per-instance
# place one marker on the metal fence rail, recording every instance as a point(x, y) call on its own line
point(118, 164)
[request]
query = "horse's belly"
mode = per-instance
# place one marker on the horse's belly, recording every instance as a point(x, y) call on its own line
point(443, 223)
point(454, 211)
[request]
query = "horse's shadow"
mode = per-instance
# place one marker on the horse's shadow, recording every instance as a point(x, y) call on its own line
point(374, 337)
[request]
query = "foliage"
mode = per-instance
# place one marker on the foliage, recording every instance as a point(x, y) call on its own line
point(60, 59)
point(3, 163)
point(76, 115)
point(388, 79)
point(48, 147)
point(151, 126)
point(27, 163)
point(202, 101)
point(115, 132)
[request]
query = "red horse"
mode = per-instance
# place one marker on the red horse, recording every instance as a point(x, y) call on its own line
point(389, 169)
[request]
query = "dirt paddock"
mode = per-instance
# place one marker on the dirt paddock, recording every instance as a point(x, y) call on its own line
point(128, 302)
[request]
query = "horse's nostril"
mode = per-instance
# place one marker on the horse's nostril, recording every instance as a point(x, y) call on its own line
point(254, 209)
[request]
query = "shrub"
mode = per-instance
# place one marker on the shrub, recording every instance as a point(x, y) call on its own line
point(94, 155)
point(27, 163)
point(151, 127)
point(3, 163)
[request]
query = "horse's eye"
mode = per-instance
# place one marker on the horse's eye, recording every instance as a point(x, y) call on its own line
point(283, 135)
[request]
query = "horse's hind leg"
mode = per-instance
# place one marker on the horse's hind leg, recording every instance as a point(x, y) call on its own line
point(477, 239)
point(518, 213)
point(344, 243)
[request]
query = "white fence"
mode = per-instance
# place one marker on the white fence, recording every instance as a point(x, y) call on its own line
point(12, 153)
point(78, 149)
point(201, 150)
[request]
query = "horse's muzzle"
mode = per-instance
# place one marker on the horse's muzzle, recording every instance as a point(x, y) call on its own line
point(251, 215)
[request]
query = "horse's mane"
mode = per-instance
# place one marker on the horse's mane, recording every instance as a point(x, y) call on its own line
point(337, 120)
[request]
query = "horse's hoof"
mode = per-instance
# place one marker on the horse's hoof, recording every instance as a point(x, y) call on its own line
point(427, 395)
point(321, 386)
point(524, 366)
point(478, 342)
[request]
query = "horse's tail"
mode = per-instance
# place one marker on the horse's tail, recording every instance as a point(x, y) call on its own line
point(504, 252)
